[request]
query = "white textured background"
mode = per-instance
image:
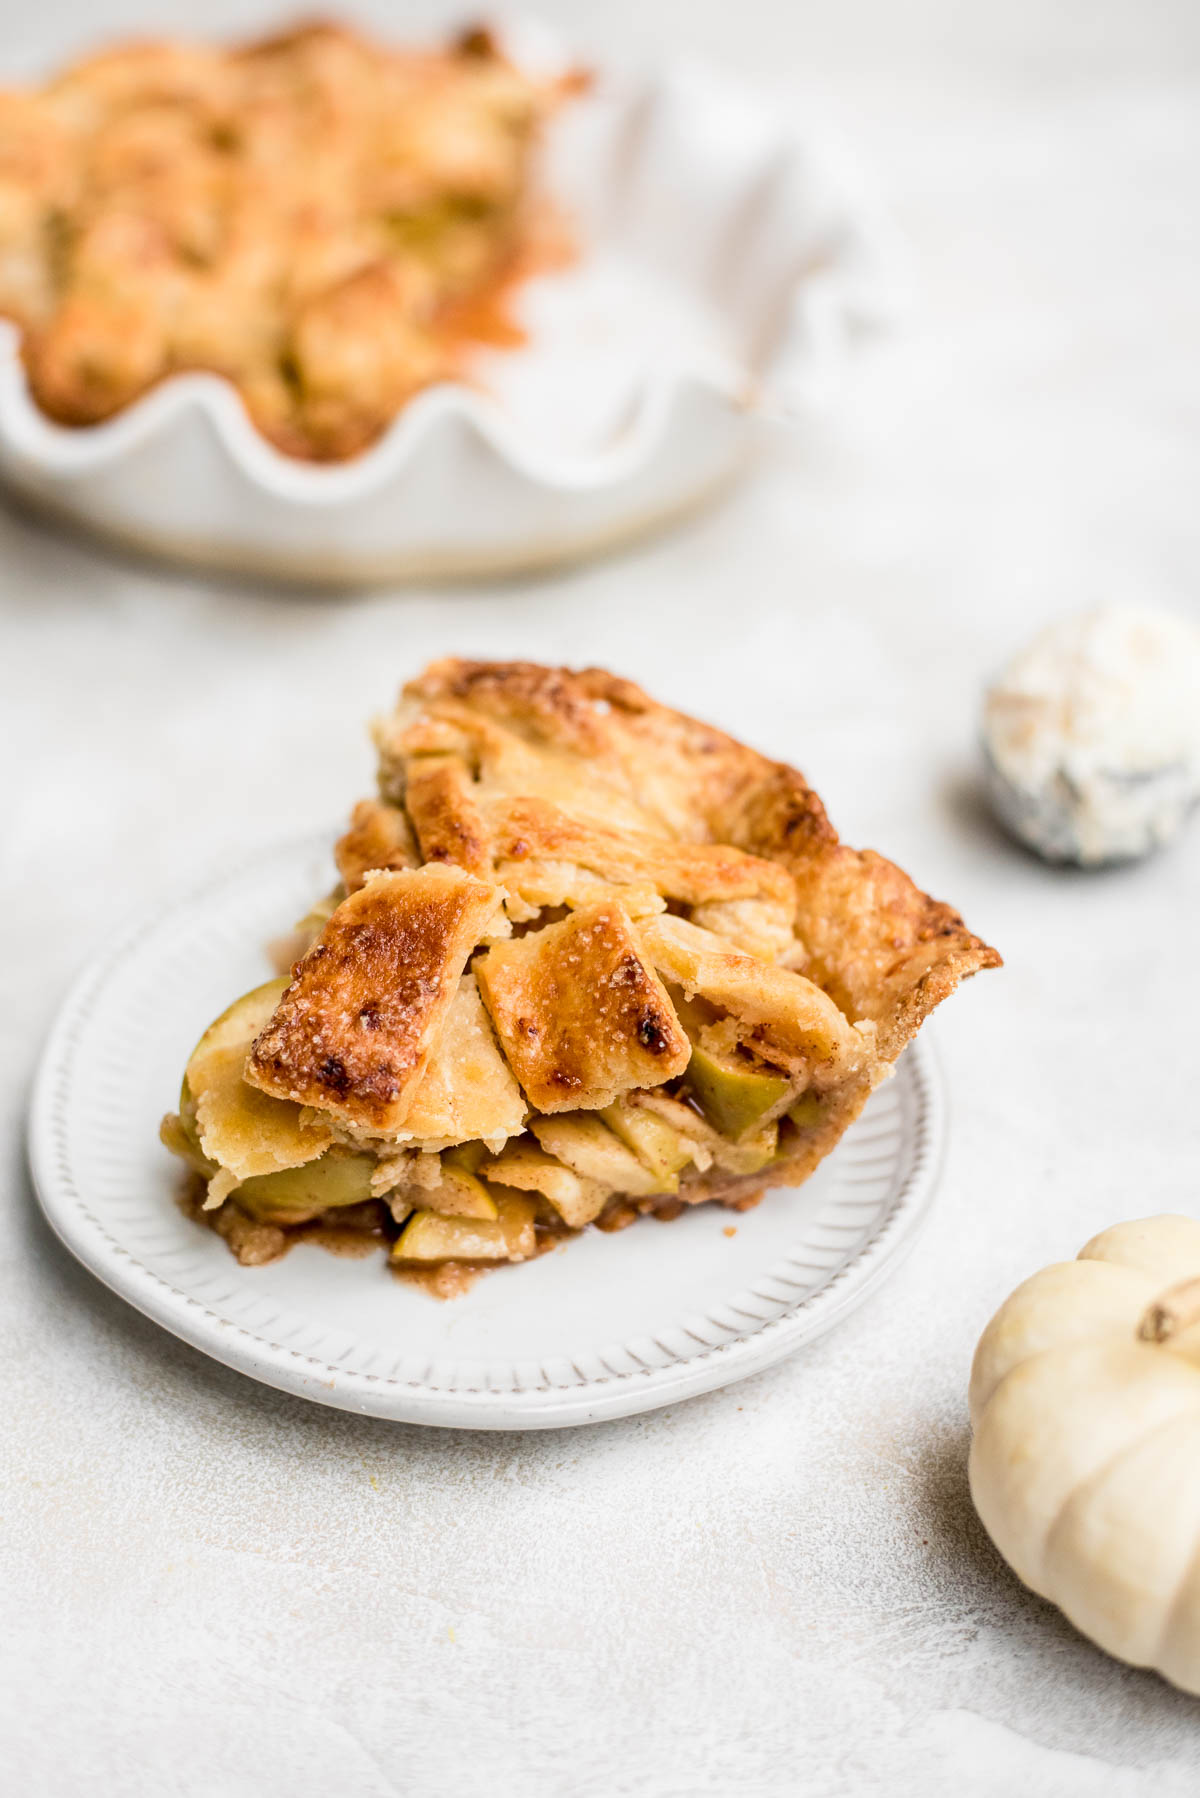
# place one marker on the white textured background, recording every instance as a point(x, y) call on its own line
point(213, 1591)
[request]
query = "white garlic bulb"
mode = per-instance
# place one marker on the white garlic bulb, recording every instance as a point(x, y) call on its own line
point(1092, 734)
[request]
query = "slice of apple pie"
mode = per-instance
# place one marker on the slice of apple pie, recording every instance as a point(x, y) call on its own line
point(587, 959)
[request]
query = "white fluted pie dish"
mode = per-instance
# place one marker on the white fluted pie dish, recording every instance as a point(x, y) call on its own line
point(726, 264)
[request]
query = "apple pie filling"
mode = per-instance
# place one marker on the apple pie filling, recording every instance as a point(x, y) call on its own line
point(588, 959)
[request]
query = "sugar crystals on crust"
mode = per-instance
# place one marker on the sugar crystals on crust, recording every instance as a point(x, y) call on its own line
point(354, 1032)
point(580, 1012)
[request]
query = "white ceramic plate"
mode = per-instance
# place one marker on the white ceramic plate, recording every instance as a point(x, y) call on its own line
point(728, 259)
point(605, 1326)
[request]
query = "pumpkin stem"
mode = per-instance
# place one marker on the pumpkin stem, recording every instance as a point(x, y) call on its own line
point(1172, 1311)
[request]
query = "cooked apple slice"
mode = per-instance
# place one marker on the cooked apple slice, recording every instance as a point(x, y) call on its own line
point(180, 1133)
point(661, 1149)
point(735, 1096)
point(430, 1237)
point(516, 1220)
point(710, 1148)
point(589, 1147)
point(247, 1133)
point(460, 1194)
point(807, 1110)
point(296, 1194)
point(527, 1166)
point(749, 1156)
point(177, 1132)
point(468, 1155)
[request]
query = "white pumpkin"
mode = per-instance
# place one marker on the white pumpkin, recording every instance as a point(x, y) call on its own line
point(1085, 1464)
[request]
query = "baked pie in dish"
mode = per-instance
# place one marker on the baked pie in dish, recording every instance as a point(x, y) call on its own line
point(587, 959)
point(325, 221)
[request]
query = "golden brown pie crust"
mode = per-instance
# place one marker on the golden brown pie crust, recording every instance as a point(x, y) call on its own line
point(580, 1012)
point(632, 894)
point(354, 1032)
point(884, 951)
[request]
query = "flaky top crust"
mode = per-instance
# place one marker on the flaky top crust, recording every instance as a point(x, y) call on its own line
point(884, 951)
point(355, 1030)
point(579, 895)
point(580, 1012)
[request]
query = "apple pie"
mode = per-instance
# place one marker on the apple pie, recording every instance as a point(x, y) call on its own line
point(324, 221)
point(587, 959)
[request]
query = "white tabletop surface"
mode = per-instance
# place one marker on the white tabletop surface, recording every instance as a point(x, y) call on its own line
point(214, 1591)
